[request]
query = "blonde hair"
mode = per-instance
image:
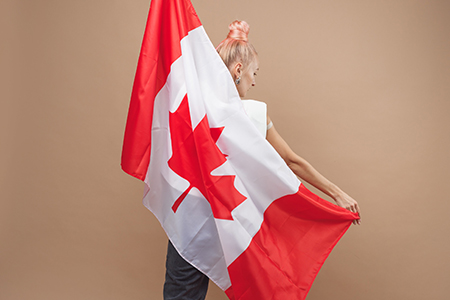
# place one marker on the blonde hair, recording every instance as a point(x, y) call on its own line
point(236, 48)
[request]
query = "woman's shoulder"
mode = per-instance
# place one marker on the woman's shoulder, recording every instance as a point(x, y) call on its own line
point(253, 101)
point(254, 104)
point(257, 112)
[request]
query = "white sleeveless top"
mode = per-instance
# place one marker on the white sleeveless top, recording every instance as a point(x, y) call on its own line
point(257, 112)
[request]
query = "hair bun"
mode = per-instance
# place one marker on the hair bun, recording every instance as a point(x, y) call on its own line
point(239, 30)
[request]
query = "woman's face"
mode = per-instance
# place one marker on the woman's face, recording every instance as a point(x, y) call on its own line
point(248, 78)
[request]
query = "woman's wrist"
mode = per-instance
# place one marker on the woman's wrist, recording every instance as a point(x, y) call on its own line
point(335, 192)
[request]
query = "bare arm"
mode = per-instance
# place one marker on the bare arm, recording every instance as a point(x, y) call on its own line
point(307, 173)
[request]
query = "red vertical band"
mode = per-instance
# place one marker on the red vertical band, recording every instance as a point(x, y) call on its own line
point(169, 21)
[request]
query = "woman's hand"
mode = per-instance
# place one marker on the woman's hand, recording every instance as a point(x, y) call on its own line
point(347, 202)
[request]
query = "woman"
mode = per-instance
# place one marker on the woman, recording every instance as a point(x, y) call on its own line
point(183, 281)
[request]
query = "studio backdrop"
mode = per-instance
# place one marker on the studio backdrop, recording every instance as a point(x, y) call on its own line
point(360, 89)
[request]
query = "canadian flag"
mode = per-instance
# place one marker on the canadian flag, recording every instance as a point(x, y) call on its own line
point(226, 199)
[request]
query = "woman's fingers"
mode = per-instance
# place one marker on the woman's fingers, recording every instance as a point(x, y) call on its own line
point(359, 214)
point(355, 209)
point(350, 204)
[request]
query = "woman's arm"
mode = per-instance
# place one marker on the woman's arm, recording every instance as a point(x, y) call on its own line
point(306, 172)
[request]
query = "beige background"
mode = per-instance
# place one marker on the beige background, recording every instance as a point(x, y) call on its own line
point(359, 88)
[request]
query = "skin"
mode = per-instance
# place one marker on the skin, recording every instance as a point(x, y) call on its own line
point(297, 164)
point(247, 76)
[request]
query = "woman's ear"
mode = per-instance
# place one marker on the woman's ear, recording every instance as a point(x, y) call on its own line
point(237, 70)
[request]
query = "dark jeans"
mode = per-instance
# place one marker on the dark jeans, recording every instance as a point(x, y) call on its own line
point(183, 281)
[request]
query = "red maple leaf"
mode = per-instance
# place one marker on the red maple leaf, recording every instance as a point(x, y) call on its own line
point(194, 156)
